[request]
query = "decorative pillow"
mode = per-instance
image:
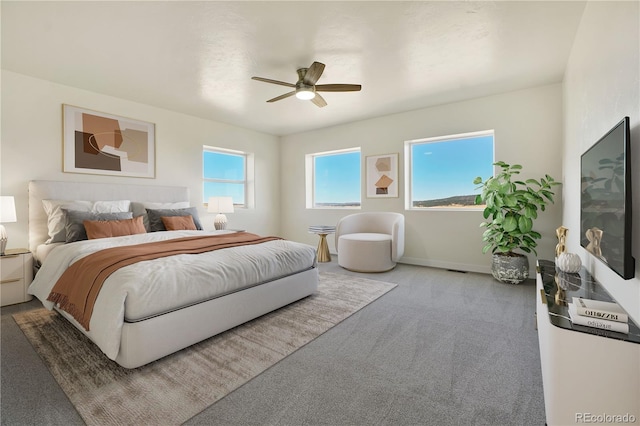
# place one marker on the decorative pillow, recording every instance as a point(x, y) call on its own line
point(113, 228)
point(56, 220)
point(139, 209)
point(178, 223)
point(155, 217)
point(74, 226)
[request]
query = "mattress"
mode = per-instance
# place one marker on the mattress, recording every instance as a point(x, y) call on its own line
point(155, 287)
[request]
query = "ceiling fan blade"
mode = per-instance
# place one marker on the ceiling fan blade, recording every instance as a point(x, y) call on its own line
point(338, 87)
point(286, 95)
point(313, 73)
point(268, 80)
point(319, 100)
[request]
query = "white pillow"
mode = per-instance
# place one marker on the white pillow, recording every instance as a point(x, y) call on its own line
point(160, 206)
point(56, 217)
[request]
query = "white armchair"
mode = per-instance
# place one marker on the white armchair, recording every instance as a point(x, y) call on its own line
point(370, 242)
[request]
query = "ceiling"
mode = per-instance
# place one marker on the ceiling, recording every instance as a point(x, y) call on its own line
point(198, 58)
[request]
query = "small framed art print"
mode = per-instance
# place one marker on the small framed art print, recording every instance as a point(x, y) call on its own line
point(382, 176)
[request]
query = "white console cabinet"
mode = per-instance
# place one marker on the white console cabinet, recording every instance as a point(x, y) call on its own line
point(589, 375)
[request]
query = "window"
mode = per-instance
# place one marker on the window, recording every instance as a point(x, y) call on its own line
point(225, 174)
point(333, 179)
point(440, 171)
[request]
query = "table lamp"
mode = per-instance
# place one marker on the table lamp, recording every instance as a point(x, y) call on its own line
point(7, 214)
point(220, 205)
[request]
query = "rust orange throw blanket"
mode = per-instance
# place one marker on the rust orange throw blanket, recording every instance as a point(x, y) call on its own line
point(77, 289)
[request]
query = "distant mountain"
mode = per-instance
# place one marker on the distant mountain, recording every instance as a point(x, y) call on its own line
point(457, 201)
point(347, 204)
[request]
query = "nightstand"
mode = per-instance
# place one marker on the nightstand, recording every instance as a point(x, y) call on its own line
point(16, 270)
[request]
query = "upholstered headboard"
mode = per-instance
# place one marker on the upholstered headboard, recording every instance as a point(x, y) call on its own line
point(58, 190)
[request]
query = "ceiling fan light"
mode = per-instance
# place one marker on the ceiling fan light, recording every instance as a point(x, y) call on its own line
point(305, 94)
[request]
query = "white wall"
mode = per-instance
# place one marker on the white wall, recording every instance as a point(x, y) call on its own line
point(601, 86)
point(528, 131)
point(32, 149)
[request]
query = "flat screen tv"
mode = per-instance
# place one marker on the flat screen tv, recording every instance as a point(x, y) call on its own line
point(605, 201)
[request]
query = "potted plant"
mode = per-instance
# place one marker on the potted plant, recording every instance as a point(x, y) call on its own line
point(510, 209)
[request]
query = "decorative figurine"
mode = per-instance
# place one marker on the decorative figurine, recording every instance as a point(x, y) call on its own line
point(594, 235)
point(566, 262)
point(561, 232)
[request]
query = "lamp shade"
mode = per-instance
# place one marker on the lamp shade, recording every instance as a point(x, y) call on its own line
point(7, 209)
point(220, 205)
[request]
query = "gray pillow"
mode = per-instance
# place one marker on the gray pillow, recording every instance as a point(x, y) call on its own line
point(155, 217)
point(140, 209)
point(74, 227)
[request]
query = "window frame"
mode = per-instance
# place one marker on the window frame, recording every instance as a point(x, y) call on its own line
point(408, 169)
point(246, 182)
point(310, 178)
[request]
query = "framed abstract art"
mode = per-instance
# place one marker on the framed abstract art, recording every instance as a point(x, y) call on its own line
point(106, 144)
point(382, 176)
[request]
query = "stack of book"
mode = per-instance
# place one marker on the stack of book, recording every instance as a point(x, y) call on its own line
point(596, 313)
point(322, 229)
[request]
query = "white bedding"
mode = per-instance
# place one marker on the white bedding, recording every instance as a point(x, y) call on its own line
point(157, 286)
point(43, 251)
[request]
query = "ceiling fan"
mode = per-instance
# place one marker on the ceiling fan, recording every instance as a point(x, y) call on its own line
point(306, 87)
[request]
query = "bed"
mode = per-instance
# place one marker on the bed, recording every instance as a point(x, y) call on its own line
point(193, 297)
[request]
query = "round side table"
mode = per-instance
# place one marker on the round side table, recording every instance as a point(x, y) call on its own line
point(323, 248)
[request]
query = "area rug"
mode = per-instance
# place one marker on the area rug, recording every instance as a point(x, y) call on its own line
point(175, 388)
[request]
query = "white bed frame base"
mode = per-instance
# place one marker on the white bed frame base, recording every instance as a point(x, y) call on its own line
point(199, 322)
point(149, 340)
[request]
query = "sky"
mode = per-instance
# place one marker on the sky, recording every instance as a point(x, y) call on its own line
point(224, 166)
point(445, 169)
point(338, 178)
point(441, 169)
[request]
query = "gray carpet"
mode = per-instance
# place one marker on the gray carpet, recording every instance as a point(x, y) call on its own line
point(173, 389)
point(443, 348)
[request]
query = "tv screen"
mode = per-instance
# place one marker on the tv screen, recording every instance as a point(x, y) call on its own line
point(605, 201)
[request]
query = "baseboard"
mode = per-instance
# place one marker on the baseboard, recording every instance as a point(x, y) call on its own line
point(455, 266)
